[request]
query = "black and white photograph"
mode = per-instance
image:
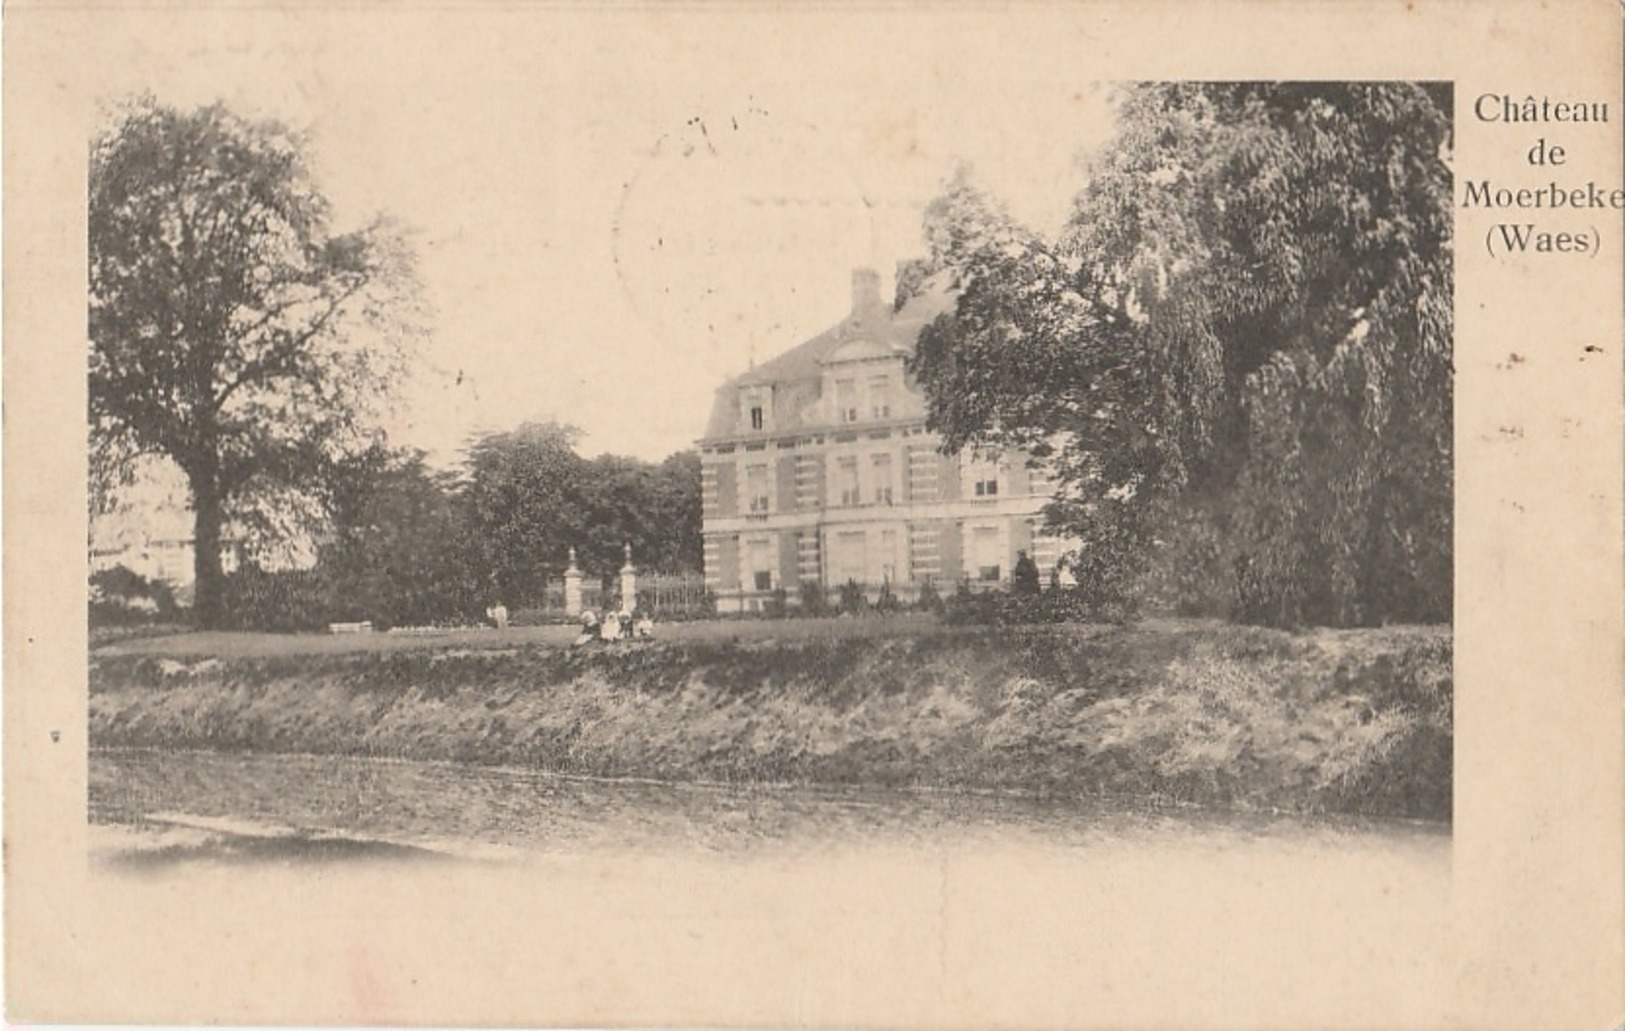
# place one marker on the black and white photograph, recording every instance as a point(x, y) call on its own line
point(739, 481)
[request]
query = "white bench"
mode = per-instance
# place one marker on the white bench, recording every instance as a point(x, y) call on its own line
point(363, 627)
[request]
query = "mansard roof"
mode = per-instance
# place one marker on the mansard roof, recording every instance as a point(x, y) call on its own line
point(796, 376)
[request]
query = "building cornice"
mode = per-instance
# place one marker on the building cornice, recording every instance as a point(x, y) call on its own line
point(963, 510)
point(815, 435)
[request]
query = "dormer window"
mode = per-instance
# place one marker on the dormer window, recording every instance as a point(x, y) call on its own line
point(756, 408)
point(879, 397)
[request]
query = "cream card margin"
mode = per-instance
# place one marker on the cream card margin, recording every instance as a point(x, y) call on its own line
point(1536, 913)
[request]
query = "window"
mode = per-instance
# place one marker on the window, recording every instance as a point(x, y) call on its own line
point(846, 400)
point(846, 479)
point(850, 558)
point(882, 479)
point(981, 478)
point(888, 556)
point(755, 404)
point(880, 397)
point(756, 487)
point(986, 553)
point(760, 552)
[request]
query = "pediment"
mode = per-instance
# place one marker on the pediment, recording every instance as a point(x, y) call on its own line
point(861, 349)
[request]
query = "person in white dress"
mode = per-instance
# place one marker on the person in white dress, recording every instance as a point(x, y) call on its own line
point(609, 628)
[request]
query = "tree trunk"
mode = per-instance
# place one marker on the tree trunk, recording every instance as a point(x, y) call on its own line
point(208, 601)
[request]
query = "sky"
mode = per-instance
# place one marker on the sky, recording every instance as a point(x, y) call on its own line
point(617, 210)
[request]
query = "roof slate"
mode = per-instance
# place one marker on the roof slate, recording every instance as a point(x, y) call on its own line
point(797, 374)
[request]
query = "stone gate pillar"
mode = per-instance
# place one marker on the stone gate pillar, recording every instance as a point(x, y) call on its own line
point(572, 587)
point(629, 583)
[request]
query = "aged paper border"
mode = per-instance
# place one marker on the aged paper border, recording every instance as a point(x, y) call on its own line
point(1533, 935)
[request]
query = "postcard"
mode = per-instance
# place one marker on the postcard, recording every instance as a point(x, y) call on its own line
point(844, 515)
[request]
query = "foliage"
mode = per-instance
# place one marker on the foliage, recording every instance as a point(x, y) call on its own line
point(119, 596)
point(1247, 320)
point(530, 498)
point(407, 545)
point(281, 601)
point(777, 605)
point(1190, 569)
point(1010, 608)
point(231, 328)
point(522, 509)
point(655, 508)
point(814, 599)
point(397, 553)
point(928, 600)
point(886, 601)
point(966, 607)
point(852, 601)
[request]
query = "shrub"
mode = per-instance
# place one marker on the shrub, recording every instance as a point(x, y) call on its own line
point(853, 602)
point(887, 601)
point(122, 597)
point(928, 600)
point(814, 602)
point(1057, 605)
point(968, 607)
point(1106, 585)
point(286, 601)
point(530, 616)
point(777, 605)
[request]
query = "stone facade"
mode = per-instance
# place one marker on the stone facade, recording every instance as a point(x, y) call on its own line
point(817, 466)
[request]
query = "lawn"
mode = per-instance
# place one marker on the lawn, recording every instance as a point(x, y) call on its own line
point(252, 645)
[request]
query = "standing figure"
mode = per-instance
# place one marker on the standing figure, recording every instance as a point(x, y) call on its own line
point(1024, 578)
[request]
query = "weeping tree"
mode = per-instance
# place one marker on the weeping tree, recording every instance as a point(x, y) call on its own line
point(233, 331)
point(1241, 344)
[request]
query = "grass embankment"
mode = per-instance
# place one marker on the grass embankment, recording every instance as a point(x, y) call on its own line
point(1344, 722)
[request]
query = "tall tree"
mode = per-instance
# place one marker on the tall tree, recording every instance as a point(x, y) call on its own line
point(525, 507)
point(531, 497)
point(675, 543)
point(1248, 318)
point(397, 549)
point(654, 508)
point(231, 328)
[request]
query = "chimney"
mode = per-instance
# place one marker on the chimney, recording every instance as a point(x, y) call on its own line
point(865, 290)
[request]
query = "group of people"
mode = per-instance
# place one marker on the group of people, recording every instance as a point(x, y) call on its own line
point(615, 626)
